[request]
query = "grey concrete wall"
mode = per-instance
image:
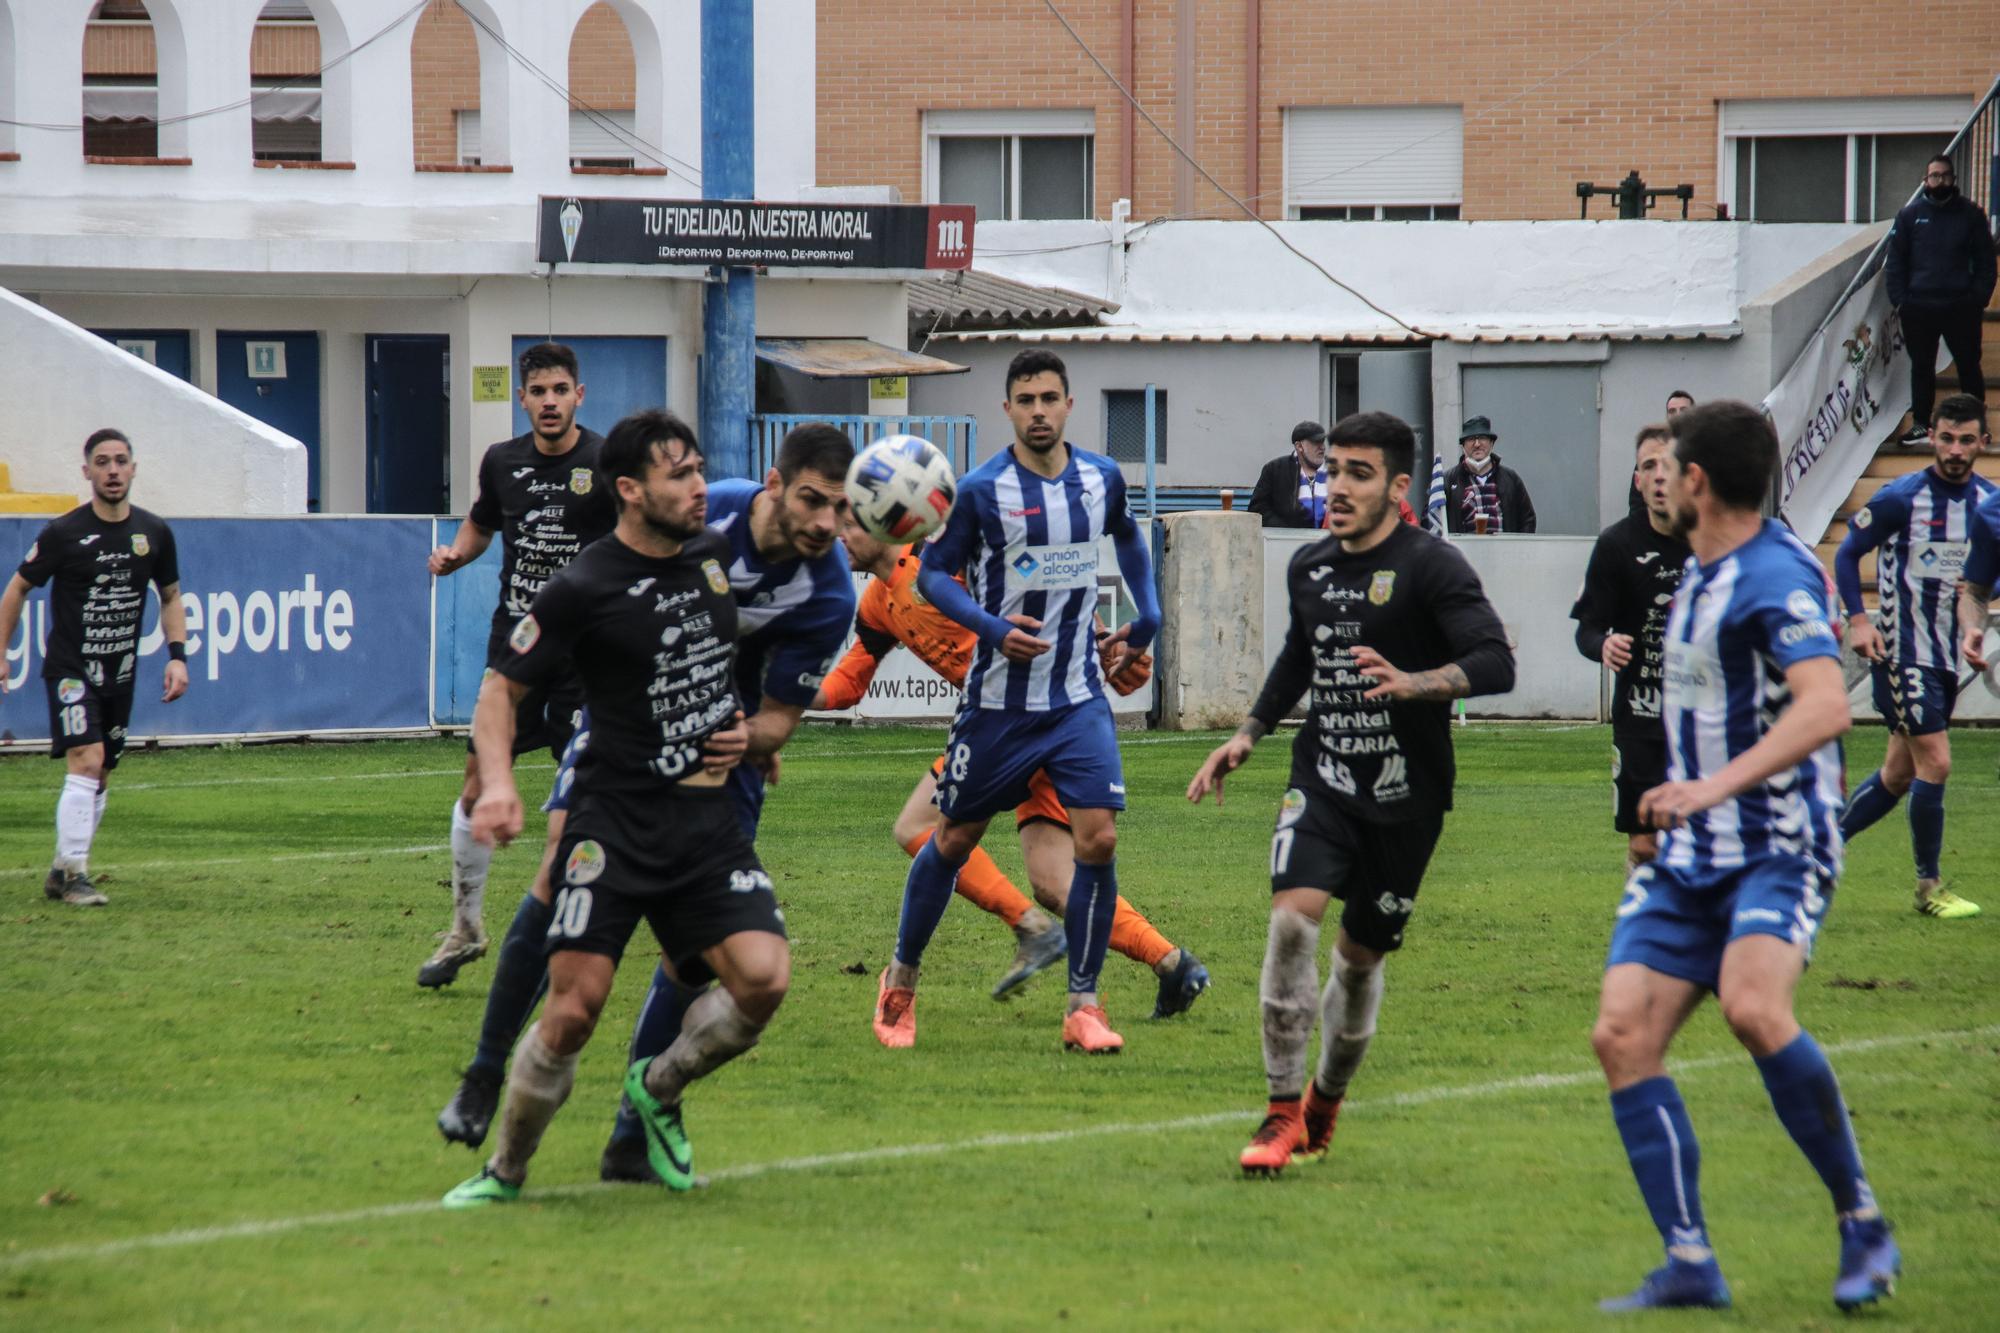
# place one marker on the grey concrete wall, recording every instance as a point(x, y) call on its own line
point(1211, 657)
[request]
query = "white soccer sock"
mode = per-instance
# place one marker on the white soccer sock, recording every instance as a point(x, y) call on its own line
point(76, 822)
point(470, 860)
point(1347, 1010)
point(713, 1033)
point(537, 1086)
point(97, 808)
point(1287, 989)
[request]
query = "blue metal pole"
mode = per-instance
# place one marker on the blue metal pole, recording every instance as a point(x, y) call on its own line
point(1152, 451)
point(728, 171)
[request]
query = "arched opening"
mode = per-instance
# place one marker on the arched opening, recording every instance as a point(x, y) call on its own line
point(121, 84)
point(285, 97)
point(458, 89)
point(605, 78)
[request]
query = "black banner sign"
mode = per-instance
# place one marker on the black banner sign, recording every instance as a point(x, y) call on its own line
point(744, 233)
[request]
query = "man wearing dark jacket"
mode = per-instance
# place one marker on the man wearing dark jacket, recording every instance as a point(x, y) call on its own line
point(1941, 274)
point(1481, 496)
point(1291, 490)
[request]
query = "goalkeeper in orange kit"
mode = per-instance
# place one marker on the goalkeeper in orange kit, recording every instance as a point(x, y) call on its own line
point(892, 613)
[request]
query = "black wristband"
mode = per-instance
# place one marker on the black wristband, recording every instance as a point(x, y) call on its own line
point(177, 652)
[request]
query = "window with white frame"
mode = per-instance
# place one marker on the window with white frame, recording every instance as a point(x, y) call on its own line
point(596, 139)
point(1374, 163)
point(1830, 159)
point(1012, 164)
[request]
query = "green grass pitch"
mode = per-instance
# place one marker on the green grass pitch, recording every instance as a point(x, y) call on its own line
point(216, 1096)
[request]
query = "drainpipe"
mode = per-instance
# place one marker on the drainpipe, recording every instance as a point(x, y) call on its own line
point(728, 171)
point(1128, 117)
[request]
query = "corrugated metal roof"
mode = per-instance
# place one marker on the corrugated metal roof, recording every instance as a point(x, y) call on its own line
point(850, 358)
point(1350, 337)
point(970, 300)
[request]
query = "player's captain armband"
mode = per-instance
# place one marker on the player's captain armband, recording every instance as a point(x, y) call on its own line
point(1939, 560)
point(1693, 678)
point(1053, 568)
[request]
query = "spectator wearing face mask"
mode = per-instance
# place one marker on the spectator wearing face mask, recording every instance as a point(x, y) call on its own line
point(1480, 495)
point(1941, 275)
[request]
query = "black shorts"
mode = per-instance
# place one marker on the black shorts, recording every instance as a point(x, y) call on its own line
point(679, 862)
point(1374, 869)
point(1638, 764)
point(547, 714)
point(80, 714)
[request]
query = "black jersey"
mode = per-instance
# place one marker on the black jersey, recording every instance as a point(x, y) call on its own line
point(1414, 600)
point(654, 643)
point(99, 598)
point(1628, 588)
point(545, 507)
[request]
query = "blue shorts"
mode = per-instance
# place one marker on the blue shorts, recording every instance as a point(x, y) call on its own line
point(1915, 700)
point(1681, 929)
point(745, 784)
point(993, 755)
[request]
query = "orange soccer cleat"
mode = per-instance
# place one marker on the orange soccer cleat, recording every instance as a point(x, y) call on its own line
point(895, 1014)
point(1088, 1030)
point(1319, 1115)
point(1271, 1147)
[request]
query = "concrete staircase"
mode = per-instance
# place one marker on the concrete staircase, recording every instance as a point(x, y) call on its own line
point(1890, 462)
point(31, 502)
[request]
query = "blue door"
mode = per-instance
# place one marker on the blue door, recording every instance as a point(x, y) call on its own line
point(274, 377)
point(409, 424)
point(620, 376)
point(169, 349)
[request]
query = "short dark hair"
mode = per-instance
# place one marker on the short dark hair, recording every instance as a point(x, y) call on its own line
point(815, 447)
point(1681, 393)
point(1310, 431)
point(1032, 362)
point(548, 356)
point(98, 437)
point(1960, 407)
point(1658, 430)
point(1378, 430)
point(628, 450)
point(1734, 445)
point(1946, 159)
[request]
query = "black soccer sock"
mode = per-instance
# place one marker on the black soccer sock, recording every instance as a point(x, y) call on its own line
point(520, 976)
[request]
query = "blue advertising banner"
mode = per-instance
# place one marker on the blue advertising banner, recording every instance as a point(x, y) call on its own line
point(295, 625)
point(465, 601)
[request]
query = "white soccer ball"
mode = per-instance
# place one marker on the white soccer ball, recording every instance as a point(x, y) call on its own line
point(901, 488)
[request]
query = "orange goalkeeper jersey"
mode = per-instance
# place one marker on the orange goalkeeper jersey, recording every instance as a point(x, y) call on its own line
point(892, 612)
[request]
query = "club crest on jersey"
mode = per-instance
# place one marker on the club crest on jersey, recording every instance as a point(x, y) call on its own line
point(1802, 606)
point(585, 864)
point(140, 546)
point(1292, 808)
point(1382, 587)
point(1864, 518)
point(717, 580)
point(525, 636)
point(579, 480)
point(69, 689)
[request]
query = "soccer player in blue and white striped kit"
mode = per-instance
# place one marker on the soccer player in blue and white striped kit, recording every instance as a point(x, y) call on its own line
point(1920, 527)
point(1755, 705)
point(1025, 534)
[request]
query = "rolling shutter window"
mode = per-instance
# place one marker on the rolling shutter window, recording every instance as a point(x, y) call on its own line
point(589, 140)
point(1373, 155)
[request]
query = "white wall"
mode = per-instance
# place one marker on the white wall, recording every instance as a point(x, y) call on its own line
point(196, 455)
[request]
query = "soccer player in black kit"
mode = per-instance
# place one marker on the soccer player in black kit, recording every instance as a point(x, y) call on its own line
point(539, 492)
point(1621, 615)
point(648, 618)
point(1388, 625)
point(101, 557)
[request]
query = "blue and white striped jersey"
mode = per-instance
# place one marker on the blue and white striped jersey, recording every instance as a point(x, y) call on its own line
point(1921, 527)
point(792, 615)
point(1734, 629)
point(1982, 567)
point(1028, 546)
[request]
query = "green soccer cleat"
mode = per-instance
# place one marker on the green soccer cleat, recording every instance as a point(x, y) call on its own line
point(667, 1146)
point(483, 1189)
point(1945, 905)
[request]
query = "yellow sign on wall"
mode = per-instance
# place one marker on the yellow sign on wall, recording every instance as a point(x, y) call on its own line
point(889, 386)
point(489, 384)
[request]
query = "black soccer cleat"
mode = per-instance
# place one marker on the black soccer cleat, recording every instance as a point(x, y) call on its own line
point(467, 1116)
point(624, 1163)
point(76, 890)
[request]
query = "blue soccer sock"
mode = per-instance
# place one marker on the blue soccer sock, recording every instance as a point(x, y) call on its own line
point(1870, 801)
point(1808, 1102)
point(1093, 902)
point(520, 975)
point(926, 893)
point(1666, 1161)
point(1926, 825)
point(659, 1022)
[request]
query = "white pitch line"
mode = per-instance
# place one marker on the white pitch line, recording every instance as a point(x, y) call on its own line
point(168, 1240)
point(341, 854)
